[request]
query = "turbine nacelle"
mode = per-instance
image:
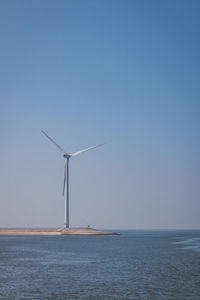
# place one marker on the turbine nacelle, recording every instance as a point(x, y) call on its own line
point(66, 156)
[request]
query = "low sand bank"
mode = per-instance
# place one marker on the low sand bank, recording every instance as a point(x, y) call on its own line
point(53, 231)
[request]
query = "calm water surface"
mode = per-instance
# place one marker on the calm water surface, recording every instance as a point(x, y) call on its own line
point(133, 265)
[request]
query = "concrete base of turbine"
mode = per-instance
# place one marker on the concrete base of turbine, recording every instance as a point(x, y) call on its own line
point(54, 231)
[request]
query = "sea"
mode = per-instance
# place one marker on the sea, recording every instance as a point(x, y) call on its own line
point(137, 264)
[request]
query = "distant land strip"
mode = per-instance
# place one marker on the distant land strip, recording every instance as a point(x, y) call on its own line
point(54, 231)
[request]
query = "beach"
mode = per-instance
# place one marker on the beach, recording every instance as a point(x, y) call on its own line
point(54, 231)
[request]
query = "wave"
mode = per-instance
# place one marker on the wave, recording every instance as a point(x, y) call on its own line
point(188, 243)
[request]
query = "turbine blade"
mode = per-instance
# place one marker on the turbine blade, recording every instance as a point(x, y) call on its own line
point(84, 150)
point(64, 180)
point(53, 141)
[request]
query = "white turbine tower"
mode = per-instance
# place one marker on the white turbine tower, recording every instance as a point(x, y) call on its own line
point(66, 174)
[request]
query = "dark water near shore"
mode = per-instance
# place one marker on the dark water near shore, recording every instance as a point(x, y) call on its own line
point(133, 265)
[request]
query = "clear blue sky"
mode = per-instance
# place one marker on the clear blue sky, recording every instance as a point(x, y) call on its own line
point(122, 72)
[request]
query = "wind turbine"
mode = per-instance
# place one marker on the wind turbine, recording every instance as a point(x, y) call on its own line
point(66, 174)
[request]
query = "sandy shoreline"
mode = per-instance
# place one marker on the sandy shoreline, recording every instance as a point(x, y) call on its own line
point(53, 231)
